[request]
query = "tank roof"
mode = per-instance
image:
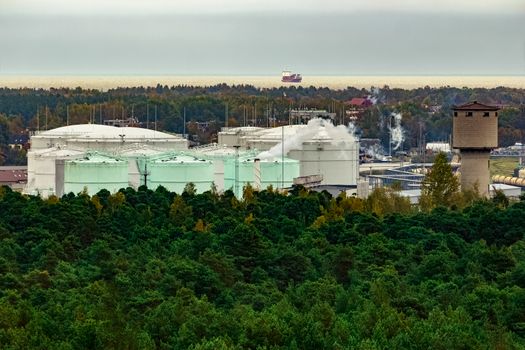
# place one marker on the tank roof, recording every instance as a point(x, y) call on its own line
point(251, 158)
point(241, 129)
point(138, 149)
point(214, 149)
point(56, 152)
point(179, 158)
point(106, 131)
point(97, 158)
point(315, 130)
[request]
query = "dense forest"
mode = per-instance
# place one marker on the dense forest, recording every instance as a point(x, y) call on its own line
point(425, 111)
point(299, 270)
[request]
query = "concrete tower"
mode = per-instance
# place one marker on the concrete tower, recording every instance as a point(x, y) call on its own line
point(475, 134)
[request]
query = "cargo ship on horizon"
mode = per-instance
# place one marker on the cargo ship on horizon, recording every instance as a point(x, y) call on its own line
point(289, 77)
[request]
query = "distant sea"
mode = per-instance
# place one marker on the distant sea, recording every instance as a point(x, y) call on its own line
point(105, 82)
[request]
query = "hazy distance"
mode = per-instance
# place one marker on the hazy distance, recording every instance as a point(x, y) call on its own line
point(248, 38)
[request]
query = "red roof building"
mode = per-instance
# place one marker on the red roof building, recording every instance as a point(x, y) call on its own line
point(356, 107)
point(360, 102)
point(475, 106)
point(14, 177)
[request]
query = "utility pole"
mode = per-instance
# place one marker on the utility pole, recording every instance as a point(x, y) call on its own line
point(184, 122)
point(255, 113)
point(155, 117)
point(390, 137)
point(147, 115)
point(290, 113)
point(226, 114)
point(282, 157)
point(267, 115)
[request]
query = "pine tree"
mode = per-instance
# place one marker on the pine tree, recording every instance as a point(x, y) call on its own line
point(440, 186)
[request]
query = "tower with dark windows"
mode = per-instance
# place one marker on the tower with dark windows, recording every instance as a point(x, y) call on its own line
point(475, 134)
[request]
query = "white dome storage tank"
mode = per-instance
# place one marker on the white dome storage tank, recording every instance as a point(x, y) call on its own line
point(259, 173)
point(41, 169)
point(95, 172)
point(96, 137)
point(176, 170)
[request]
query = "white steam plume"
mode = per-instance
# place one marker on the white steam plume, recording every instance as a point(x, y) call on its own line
point(316, 128)
point(376, 151)
point(397, 134)
point(374, 96)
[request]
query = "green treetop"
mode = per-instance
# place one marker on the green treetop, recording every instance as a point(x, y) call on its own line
point(440, 186)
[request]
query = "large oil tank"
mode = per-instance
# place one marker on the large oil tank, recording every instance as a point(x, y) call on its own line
point(259, 173)
point(95, 172)
point(41, 168)
point(338, 163)
point(105, 138)
point(320, 147)
point(137, 156)
point(218, 155)
point(176, 170)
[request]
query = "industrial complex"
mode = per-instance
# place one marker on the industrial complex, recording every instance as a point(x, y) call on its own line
point(94, 157)
point(316, 154)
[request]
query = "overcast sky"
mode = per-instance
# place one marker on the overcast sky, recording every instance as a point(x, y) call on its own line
point(248, 37)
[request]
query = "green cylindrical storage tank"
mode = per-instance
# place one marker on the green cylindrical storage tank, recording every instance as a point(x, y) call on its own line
point(218, 155)
point(259, 173)
point(175, 171)
point(137, 157)
point(95, 172)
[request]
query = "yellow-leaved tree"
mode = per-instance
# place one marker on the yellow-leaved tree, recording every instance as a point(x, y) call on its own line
point(440, 186)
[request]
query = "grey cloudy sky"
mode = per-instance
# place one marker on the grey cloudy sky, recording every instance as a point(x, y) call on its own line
point(245, 37)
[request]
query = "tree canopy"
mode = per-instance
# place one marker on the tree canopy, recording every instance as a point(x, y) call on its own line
point(440, 186)
point(157, 270)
